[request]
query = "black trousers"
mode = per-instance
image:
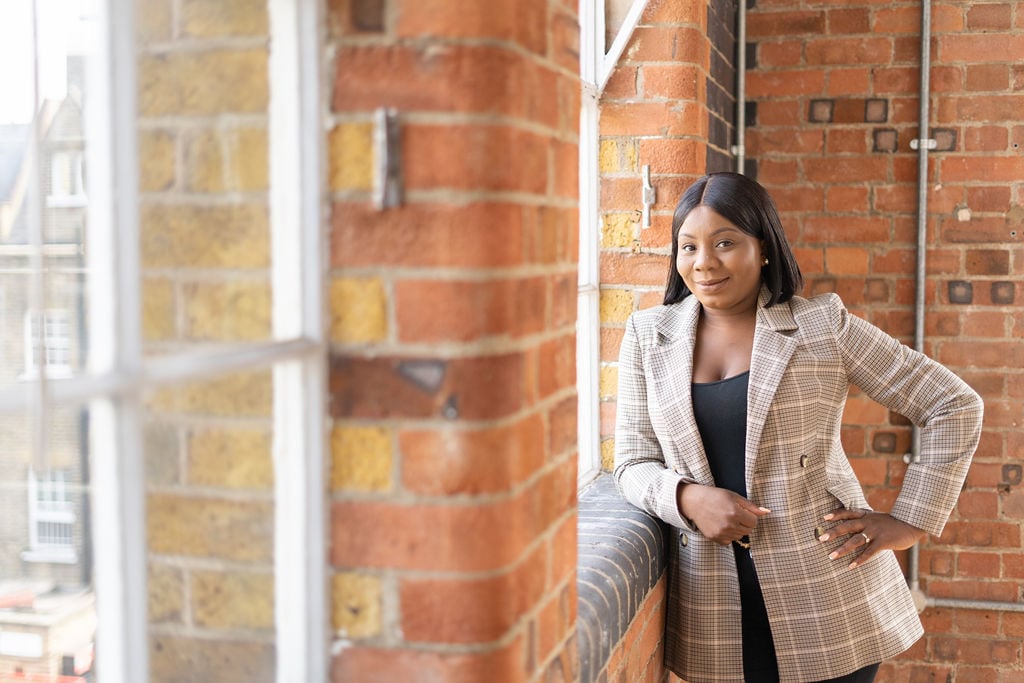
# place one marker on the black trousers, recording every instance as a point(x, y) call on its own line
point(759, 664)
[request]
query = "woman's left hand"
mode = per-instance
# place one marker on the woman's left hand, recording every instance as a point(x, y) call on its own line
point(869, 533)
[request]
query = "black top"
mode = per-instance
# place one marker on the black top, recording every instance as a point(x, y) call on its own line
point(720, 409)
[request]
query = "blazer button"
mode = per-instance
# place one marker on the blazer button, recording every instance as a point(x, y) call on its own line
point(684, 540)
point(819, 531)
point(803, 461)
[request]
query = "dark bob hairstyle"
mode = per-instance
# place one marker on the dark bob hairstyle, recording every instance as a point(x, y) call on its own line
point(747, 205)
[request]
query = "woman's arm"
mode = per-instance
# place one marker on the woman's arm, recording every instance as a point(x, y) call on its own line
point(947, 411)
point(640, 471)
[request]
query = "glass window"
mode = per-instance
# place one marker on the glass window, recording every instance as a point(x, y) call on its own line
point(162, 362)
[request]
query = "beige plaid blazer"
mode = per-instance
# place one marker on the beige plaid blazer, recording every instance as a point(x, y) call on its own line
point(827, 620)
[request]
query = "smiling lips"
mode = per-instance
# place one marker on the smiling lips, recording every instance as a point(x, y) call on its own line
point(711, 284)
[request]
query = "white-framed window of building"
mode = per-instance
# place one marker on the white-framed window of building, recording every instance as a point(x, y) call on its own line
point(605, 28)
point(48, 342)
point(67, 179)
point(98, 402)
point(51, 518)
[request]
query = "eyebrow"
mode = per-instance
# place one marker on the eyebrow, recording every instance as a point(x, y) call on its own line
point(724, 228)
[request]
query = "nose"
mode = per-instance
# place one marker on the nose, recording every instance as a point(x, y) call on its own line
point(704, 259)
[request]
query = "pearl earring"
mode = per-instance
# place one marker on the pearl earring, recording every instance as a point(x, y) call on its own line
point(765, 261)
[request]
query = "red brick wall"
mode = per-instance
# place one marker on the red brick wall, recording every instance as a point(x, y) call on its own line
point(453, 527)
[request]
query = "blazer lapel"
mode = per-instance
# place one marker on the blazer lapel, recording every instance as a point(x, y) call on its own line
point(672, 357)
point(773, 347)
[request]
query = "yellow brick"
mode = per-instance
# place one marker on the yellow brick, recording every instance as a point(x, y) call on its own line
point(204, 163)
point(158, 310)
point(203, 83)
point(356, 605)
point(350, 156)
point(162, 447)
point(175, 659)
point(153, 20)
point(236, 530)
point(616, 305)
point(247, 164)
point(157, 160)
point(608, 455)
point(358, 310)
point(618, 230)
point(361, 459)
point(608, 156)
point(237, 395)
point(226, 160)
point(617, 155)
point(228, 600)
point(231, 458)
point(228, 311)
point(608, 384)
point(192, 236)
point(165, 589)
point(628, 155)
point(203, 18)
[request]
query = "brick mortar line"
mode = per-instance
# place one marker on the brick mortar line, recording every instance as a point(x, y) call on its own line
point(230, 495)
point(187, 122)
point(488, 347)
point(187, 631)
point(477, 120)
point(455, 274)
point(387, 40)
point(177, 198)
point(404, 498)
point(199, 45)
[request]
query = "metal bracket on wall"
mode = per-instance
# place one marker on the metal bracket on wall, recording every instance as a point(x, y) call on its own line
point(649, 197)
point(387, 147)
point(928, 144)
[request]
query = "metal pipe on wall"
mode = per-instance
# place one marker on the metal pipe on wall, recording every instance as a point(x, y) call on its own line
point(924, 143)
point(739, 149)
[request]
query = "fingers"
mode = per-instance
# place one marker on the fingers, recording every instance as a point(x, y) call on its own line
point(853, 524)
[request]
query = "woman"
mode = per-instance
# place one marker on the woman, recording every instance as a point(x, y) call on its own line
point(730, 404)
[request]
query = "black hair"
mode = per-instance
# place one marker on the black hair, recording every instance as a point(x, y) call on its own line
point(747, 205)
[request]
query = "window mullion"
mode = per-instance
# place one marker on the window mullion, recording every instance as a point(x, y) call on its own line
point(118, 507)
point(296, 198)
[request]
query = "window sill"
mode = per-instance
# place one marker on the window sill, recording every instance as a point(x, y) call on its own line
point(50, 556)
point(621, 557)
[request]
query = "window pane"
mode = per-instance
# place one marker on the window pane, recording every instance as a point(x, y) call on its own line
point(210, 529)
point(47, 607)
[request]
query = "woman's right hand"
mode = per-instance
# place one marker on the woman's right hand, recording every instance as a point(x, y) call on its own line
point(719, 514)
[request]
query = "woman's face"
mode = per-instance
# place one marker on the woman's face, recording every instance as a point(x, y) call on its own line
point(720, 264)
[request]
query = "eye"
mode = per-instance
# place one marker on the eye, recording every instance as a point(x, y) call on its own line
point(724, 243)
point(687, 247)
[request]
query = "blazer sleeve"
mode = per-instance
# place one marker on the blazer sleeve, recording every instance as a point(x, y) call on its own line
point(641, 473)
point(947, 411)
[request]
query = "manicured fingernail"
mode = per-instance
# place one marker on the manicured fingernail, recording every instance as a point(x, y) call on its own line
point(823, 537)
point(853, 565)
point(764, 509)
point(828, 516)
point(833, 556)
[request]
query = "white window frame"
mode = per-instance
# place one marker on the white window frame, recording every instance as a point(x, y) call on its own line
point(56, 507)
point(117, 375)
point(48, 341)
point(67, 179)
point(596, 65)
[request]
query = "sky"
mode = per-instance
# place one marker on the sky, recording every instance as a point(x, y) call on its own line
point(59, 31)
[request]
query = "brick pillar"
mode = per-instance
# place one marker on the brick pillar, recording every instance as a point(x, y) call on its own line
point(453, 526)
